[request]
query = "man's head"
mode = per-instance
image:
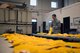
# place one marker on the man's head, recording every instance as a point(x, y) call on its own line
point(53, 16)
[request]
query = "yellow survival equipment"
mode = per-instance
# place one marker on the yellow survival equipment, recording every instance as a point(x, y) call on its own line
point(50, 31)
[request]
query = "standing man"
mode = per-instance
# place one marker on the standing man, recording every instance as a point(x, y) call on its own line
point(56, 25)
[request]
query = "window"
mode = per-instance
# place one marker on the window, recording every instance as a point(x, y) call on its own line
point(50, 21)
point(34, 20)
point(53, 4)
point(33, 2)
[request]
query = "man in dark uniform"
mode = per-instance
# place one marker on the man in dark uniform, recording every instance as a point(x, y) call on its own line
point(56, 25)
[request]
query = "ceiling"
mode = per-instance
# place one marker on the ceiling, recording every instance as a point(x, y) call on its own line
point(16, 0)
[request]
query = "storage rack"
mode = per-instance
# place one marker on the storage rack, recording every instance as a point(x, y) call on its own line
point(14, 22)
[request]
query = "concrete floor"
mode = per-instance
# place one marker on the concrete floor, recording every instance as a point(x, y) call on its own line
point(5, 46)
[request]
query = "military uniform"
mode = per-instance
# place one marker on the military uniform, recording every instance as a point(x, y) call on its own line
point(56, 25)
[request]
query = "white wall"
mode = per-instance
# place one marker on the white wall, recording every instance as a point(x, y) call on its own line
point(72, 11)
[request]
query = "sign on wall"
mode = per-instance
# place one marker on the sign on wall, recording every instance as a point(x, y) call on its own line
point(76, 21)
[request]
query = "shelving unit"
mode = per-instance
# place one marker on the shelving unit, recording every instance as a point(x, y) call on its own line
point(15, 21)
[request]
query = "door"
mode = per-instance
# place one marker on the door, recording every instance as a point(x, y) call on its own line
point(61, 28)
point(66, 24)
point(44, 26)
point(34, 26)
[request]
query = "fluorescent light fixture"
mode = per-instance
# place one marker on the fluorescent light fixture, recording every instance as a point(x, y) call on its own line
point(53, 4)
point(33, 2)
